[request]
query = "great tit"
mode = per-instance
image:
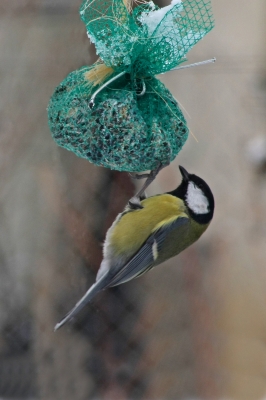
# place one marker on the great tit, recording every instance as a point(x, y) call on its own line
point(150, 231)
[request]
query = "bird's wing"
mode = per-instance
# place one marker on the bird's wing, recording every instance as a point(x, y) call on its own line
point(145, 258)
point(140, 263)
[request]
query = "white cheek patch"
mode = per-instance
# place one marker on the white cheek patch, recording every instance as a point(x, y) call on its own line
point(196, 200)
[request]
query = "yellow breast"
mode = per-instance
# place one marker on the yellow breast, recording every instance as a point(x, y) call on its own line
point(134, 227)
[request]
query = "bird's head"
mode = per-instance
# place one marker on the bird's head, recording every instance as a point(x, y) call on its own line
point(197, 196)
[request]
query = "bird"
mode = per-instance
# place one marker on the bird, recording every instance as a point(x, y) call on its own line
point(149, 231)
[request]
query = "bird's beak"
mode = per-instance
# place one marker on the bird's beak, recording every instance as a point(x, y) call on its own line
point(184, 173)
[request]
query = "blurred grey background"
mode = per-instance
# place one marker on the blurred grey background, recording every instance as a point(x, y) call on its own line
point(195, 328)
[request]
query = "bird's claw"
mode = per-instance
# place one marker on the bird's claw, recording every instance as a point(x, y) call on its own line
point(138, 176)
point(151, 174)
point(150, 178)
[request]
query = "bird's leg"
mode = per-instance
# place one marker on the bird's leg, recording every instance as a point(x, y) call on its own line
point(139, 176)
point(135, 200)
point(150, 178)
point(151, 175)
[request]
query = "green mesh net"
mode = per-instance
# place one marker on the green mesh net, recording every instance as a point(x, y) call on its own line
point(150, 40)
point(129, 128)
point(123, 131)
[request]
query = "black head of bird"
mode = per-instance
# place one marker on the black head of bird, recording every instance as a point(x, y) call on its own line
point(197, 196)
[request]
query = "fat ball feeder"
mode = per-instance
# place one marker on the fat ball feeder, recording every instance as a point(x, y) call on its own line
point(116, 113)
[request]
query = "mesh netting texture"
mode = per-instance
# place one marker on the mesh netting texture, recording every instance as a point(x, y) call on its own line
point(149, 40)
point(125, 130)
point(122, 131)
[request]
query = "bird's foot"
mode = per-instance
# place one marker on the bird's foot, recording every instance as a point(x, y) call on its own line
point(151, 175)
point(149, 179)
point(138, 176)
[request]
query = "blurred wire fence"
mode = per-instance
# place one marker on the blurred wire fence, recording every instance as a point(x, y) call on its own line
point(195, 328)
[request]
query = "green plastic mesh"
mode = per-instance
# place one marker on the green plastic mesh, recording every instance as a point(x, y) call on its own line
point(126, 131)
point(123, 131)
point(150, 40)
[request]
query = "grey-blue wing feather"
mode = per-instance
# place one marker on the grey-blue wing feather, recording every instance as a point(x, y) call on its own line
point(144, 259)
point(91, 292)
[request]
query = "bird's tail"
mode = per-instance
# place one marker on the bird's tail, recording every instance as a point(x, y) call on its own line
point(93, 290)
